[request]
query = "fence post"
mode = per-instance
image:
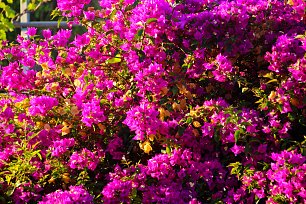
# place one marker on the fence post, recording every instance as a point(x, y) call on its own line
point(25, 18)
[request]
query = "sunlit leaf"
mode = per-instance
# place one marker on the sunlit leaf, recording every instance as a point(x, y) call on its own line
point(150, 20)
point(113, 60)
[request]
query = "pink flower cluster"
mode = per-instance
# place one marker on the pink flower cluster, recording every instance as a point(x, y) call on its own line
point(62, 146)
point(72, 8)
point(40, 105)
point(143, 120)
point(76, 194)
point(84, 159)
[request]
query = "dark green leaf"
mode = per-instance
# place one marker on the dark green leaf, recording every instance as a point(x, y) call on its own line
point(181, 131)
point(174, 90)
point(140, 32)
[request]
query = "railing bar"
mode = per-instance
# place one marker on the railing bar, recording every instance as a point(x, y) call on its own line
point(42, 24)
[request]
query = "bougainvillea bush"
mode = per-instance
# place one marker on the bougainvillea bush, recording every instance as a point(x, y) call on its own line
point(187, 101)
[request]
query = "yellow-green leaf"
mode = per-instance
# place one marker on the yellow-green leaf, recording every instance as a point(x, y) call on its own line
point(268, 75)
point(150, 20)
point(113, 60)
point(244, 89)
point(271, 81)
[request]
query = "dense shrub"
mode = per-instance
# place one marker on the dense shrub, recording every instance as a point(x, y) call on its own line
point(157, 102)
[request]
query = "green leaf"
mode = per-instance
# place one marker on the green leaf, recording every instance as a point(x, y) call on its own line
point(260, 100)
point(131, 6)
point(228, 120)
point(103, 101)
point(268, 75)
point(99, 93)
point(112, 14)
point(299, 36)
point(168, 149)
point(86, 79)
point(174, 90)
point(303, 150)
point(9, 12)
point(134, 193)
point(181, 130)
point(236, 168)
point(216, 135)
point(237, 135)
point(2, 34)
point(2, 5)
point(113, 60)
point(189, 120)
point(150, 20)
point(55, 13)
point(244, 89)
point(60, 19)
point(31, 6)
point(39, 155)
point(140, 32)
point(163, 100)
point(10, 192)
point(10, 26)
point(271, 81)
point(141, 55)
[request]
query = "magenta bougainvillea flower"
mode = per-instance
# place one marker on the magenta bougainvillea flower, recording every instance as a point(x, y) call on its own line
point(62, 146)
point(40, 105)
point(83, 159)
point(75, 194)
